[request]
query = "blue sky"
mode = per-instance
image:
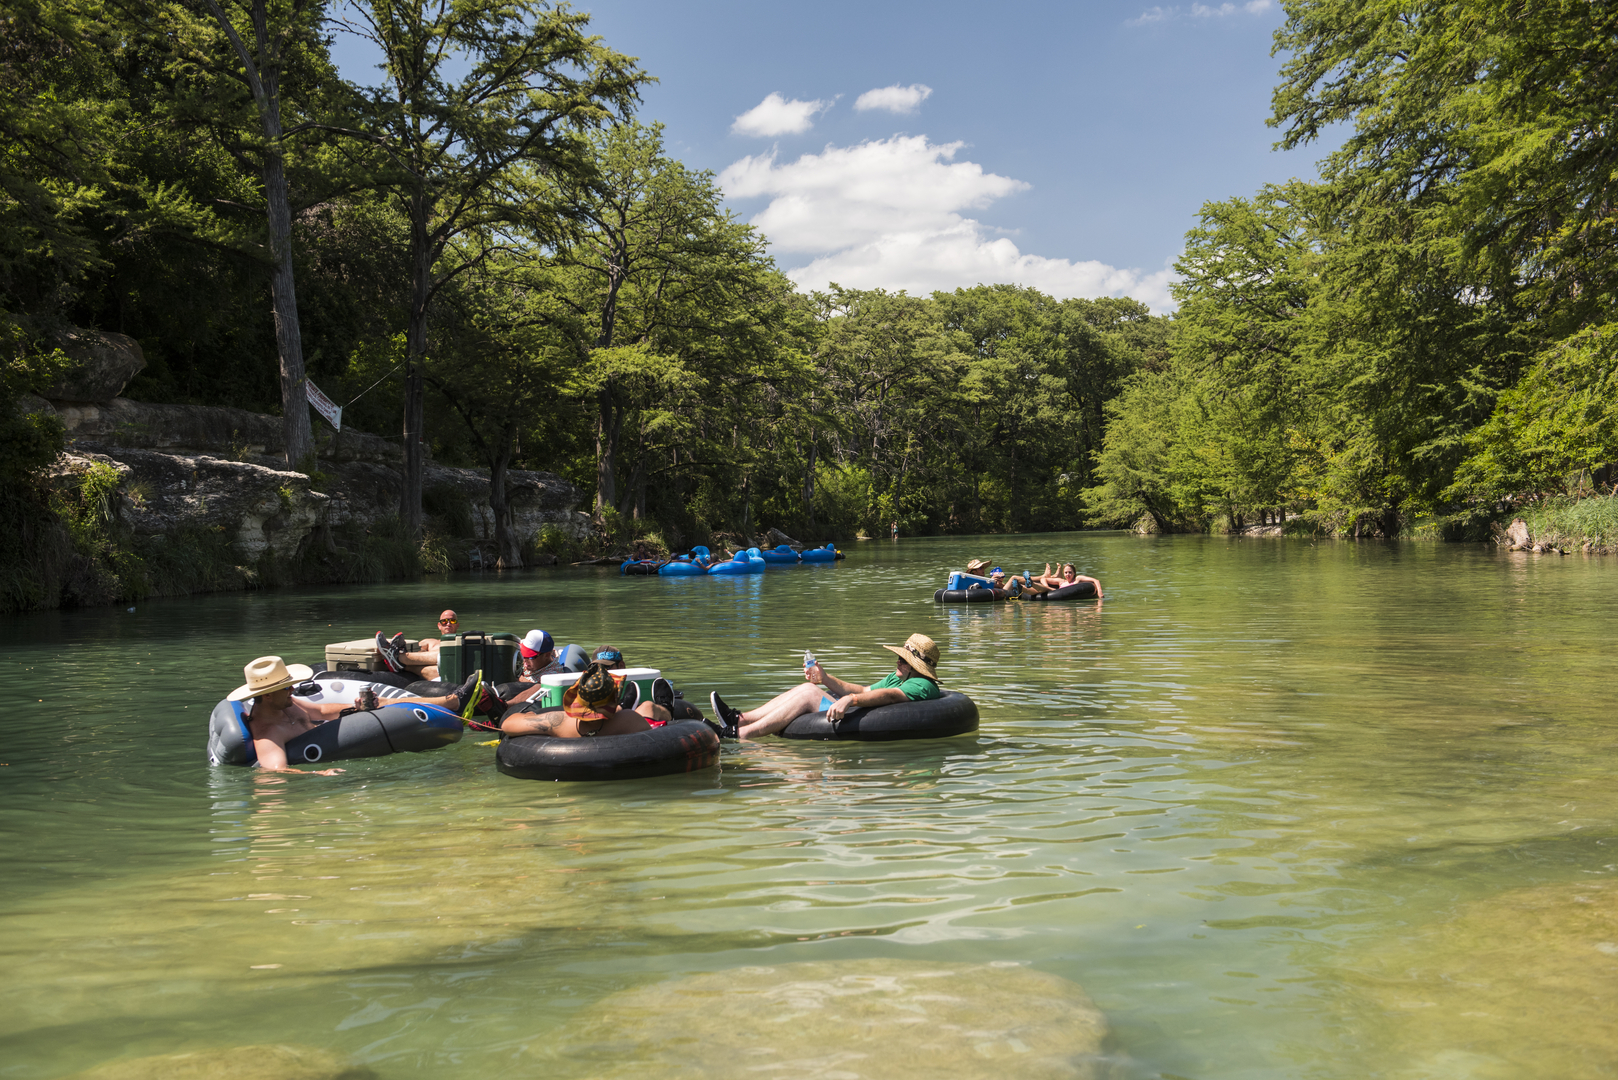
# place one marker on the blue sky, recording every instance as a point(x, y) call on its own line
point(1066, 146)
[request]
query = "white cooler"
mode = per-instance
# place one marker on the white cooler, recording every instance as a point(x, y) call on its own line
point(552, 687)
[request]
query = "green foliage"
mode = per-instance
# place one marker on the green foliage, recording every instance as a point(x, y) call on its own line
point(451, 510)
point(1571, 522)
point(1556, 431)
point(551, 540)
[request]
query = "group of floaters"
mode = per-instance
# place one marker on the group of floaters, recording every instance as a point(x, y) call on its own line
point(701, 562)
point(562, 714)
point(978, 584)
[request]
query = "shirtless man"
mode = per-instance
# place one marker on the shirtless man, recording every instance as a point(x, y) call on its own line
point(913, 679)
point(589, 708)
point(423, 659)
point(277, 717)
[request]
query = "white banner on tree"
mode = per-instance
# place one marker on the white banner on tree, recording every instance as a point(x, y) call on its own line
point(323, 405)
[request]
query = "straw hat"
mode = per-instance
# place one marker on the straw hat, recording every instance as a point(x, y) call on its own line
point(268, 674)
point(977, 566)
point(920, 652)
point(594, 696)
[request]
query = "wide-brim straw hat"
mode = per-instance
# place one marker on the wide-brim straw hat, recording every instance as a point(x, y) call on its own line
point(920, 652)
point(594, 696)
point(977, 566)
point(268, 674)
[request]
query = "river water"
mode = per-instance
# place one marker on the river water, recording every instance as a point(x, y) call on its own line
point(1276, 809)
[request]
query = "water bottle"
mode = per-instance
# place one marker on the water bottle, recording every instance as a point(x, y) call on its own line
point(808, 660)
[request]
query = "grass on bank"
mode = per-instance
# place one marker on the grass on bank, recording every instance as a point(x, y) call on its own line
point(1572, 523)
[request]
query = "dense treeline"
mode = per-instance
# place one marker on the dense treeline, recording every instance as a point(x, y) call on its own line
point(1424, 334)
point(489, 253)
point(513, 265)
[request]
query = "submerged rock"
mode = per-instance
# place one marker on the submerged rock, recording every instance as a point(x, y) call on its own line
point(1522, 984)
point(858, 1019)
point(280, 1062)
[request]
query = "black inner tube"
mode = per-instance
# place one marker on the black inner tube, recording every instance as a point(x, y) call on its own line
point(968, 596)
point(953, 713)
point(680, 746)
point(1079, 590)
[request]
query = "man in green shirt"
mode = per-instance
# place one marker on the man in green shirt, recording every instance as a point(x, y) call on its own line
point(914, 679)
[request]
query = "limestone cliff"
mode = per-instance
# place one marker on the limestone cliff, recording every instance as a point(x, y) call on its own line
point(211, 466)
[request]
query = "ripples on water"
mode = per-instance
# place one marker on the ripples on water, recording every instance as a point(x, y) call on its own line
point(1280, 809)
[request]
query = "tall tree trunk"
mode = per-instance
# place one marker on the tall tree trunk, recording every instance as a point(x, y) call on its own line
point(415, 358)
point(508, 553)
point(609, 418)
point(634, 500)
point(809, 481)
point(264, 80)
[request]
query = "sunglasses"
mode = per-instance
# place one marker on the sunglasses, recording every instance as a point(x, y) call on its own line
point(448, 622)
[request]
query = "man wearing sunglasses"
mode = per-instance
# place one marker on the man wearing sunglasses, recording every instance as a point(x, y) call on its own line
point(422, 660)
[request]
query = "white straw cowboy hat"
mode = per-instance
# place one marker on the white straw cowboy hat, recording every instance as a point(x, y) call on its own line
point(268, 674)
point(920, 652)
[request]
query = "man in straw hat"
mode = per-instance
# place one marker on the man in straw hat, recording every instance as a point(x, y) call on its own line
point(590, 708)
point(277, 717)
point(914, 678)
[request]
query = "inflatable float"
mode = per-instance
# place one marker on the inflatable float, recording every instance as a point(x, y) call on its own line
point(970, 596)
point(1079, 590)
point(781, 553)
point(692, 565)
point(389, 729)
point(951, 714)
point(640, 567)
point(829, 553)
point(743, 562)
point(677, 747)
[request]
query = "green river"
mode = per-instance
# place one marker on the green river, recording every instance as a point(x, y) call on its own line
point(1273, 809)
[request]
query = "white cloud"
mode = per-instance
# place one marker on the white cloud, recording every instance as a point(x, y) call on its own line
point(775, 115)
point(887, 214)
point(895, 98)
point(1198, 11)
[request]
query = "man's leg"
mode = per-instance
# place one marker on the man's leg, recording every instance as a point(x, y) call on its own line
point(779, 711)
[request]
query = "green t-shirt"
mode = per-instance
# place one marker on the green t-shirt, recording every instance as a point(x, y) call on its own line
point(916, 688)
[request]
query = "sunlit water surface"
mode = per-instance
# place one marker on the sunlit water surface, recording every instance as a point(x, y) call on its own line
point(1279, 809)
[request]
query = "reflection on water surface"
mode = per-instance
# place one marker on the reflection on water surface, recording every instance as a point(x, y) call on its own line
point(1277, 809)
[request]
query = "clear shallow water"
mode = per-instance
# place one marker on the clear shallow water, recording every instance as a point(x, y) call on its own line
point(1279, 809)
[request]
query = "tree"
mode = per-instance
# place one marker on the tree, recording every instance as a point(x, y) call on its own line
point(666, 295)
point(262, 67)
point(500, 367)
point(460, 152)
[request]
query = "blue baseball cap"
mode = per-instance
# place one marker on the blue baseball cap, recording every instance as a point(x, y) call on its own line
point(536, 643)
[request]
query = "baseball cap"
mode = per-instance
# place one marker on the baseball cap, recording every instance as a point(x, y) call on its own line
point(535, 643)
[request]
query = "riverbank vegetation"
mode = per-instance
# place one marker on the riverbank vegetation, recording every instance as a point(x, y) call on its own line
point(1420, 338)
point(1416, 341)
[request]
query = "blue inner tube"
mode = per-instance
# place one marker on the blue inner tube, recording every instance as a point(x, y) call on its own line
point(1079, 590)
point(677, 747)
point(968, 596)
point(682, 569)
point(829, 553)
point(951, 714)
point(388, 730)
